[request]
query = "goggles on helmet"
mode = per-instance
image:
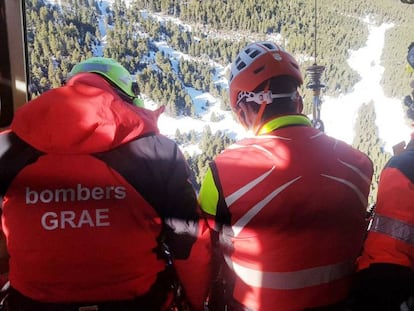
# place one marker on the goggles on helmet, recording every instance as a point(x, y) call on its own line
point(262, 97)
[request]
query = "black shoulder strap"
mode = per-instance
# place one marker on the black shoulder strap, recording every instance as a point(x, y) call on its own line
point(15, 154)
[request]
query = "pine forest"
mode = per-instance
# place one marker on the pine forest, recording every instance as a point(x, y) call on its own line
point(62, 33)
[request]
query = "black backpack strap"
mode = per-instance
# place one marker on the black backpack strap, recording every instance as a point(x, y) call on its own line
point(169, 280)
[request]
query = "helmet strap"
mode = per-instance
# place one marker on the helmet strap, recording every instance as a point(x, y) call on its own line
point(259, 114)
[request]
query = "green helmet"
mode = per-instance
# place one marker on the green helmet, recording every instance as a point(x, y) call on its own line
point(112, 71)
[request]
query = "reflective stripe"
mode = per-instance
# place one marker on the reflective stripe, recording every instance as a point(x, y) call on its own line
point(243, 190)
point(394, 228)
point(294, 279)
point(261, 148)
point(356, 170)
point(245, 219)
point(317, 135)
point(358, 192)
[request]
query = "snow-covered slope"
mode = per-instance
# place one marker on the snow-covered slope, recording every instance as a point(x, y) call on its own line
point(338, 113)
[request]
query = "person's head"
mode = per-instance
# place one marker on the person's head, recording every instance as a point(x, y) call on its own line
point(264, 82)
point(114, 73)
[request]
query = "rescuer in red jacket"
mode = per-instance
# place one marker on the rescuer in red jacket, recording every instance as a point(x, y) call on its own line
point(385, 280)
point(92, 194)
point(288, 203)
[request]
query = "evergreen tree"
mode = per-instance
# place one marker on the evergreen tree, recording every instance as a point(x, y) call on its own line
point(60, 36)
point(366, 140)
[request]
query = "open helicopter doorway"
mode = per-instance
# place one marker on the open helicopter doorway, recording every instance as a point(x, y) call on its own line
point(13, 74)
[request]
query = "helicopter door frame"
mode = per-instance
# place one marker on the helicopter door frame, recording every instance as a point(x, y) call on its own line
point(13, 61)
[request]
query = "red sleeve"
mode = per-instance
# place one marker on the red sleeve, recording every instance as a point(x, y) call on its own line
point(194, 272)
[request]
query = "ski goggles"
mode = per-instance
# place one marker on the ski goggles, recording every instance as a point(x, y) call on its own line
point(262, 97)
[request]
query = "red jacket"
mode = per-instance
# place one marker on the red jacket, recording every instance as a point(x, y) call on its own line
point(390, 239)
point(290, 206)
point(86, 180)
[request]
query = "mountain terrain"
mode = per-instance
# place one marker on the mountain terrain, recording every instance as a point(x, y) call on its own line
point(180, 53)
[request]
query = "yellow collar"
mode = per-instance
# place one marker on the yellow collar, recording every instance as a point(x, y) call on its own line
point(284, 121)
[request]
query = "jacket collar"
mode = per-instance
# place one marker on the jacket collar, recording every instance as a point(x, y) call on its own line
point(283, 121)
